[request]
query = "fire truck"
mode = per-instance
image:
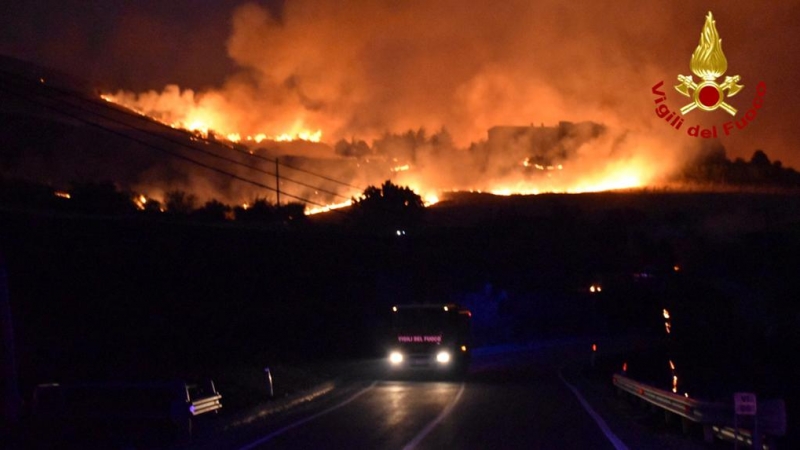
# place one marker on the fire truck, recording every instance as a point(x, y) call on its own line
point(433, 337)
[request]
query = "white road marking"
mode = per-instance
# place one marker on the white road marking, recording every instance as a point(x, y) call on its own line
point(615, 441)
point(291, 426)
point(442, 415)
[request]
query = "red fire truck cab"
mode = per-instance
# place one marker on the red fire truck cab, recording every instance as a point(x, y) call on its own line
point(431, 336)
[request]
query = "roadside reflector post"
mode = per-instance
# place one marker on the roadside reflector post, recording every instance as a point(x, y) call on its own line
point(594, 355)
point(268, 375)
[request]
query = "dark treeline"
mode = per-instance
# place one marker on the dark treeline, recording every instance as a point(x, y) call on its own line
point(105, 198)
point(386, 207)
point(713, 167)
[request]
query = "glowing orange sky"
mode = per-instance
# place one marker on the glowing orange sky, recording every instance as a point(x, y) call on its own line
point(359, 69)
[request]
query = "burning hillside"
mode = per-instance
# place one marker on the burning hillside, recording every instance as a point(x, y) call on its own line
point(512, 160)
point(303, 76)
point(344, 98)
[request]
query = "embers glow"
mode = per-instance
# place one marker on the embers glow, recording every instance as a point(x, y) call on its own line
point(181, 111)
point(140, 201)
point(625, 178)
point(301, 135)
point(427, 165)
point(326, 208)
point(431, 199)
point(427, 200)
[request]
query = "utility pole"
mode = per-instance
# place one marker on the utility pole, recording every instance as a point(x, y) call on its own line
point(277, 182)
point(8, 381)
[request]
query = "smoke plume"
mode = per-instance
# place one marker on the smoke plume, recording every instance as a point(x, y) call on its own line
point(370, 70)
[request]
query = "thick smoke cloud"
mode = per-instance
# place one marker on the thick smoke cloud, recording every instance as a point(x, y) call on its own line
point(367, 67)
point(359, 69)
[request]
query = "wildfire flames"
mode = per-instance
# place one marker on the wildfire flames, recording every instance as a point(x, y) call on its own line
point(206, 121)
point(531, 178)
point(355, 101)
point(254, 75)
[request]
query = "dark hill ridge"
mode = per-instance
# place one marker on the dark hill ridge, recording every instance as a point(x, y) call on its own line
point(38, 143)
point(24, 69)
point(743, 209)
point(136, 287)
point(57, 133)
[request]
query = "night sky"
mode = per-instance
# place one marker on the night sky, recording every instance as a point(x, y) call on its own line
point(364, 67)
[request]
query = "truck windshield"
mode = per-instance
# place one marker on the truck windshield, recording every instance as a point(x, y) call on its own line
point(432, 319)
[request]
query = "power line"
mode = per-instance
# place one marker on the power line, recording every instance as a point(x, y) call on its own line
point(308, 172)
point(141, 117)
point(181, 144)
point(150, 145)
point(191, 147)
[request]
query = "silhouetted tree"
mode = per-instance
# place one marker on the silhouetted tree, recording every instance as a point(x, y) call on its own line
point(761, 170)
point(389, 206)
point(357, 149)
point(153, 206)
point(292, 212)
point(760, 158)
point(713, 167)
point(102, 197)
point(180, 203)
point(29, 194)
point(212, 211)
point(259, 211)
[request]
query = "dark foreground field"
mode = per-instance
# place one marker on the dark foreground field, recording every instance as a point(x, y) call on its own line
point(122, 298)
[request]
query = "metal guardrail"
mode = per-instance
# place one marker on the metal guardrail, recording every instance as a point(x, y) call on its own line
point(717, 418)
point(695, 410)
point(208, 402)
point(736, 436)
point(167, 403)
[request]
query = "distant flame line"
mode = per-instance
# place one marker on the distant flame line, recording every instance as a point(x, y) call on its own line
point(32, 98)
point(145, 143)
point(142, 116)
point(221, 157)
point(190, 147)
point(87, 100)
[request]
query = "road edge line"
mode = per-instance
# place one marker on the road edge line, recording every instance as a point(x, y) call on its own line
point(442, 415)
point(615, 441)
point(293, 425)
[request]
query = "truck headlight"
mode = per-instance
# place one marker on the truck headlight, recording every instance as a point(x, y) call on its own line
point(395, 358)
point(443, 357)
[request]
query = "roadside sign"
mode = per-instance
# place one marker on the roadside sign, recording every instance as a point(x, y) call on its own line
point(744, 403)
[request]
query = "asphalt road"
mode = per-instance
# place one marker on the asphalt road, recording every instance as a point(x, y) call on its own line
point(509, 400)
